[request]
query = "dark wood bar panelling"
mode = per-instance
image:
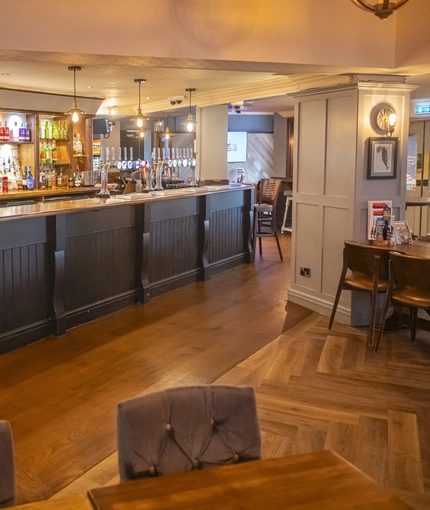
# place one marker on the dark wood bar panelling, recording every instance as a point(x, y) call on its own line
point(24, 283)
point(63, 269)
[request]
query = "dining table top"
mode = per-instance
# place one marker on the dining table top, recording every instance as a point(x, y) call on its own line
point(306, 481)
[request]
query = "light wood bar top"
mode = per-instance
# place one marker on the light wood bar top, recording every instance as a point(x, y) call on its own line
point(322, 480)
point(69, 206)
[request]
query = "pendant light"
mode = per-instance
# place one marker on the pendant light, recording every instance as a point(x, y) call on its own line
point(381, 9)
point(75, 111)
point(139, 118)
point(166, 133)
point(190, 124)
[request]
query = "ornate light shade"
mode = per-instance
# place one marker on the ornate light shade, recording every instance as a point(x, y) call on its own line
point(190, 123)
point(139, 117)
point(382, 9)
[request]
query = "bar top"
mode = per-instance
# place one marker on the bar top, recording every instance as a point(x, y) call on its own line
point(69, 206)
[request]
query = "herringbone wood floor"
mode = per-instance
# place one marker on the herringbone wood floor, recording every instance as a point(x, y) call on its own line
point(315, 388)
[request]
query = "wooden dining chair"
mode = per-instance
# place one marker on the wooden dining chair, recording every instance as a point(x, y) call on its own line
point(409, 286)
point(265, 213)
point(368, 271)
point(187, 428)
point(7, 466)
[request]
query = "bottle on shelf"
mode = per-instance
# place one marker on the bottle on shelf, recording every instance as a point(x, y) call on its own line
point(1, 132)
point(4, 184)
point(24, 179)
point(18, 180)
point(79, 146)
point(78, 179)
point(42, 177)
point(47, 130)
point(15, 133)
point(27, 132)
point(71, 180)
point(42, 153)
point(30, 179)
point(41, 131)
point(48, 179)
point(60, 179)
point(54, 153)
point(75, 146)
point(53, 178)
point(48, 153)
point(6, 132)
point(54, 130)
point(22, 137)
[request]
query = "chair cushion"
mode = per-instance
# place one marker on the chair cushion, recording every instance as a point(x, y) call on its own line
point(361, 281)
point(187, 428)
point(412, 297)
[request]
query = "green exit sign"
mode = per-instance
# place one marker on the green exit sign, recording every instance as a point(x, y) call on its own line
point(422, 110)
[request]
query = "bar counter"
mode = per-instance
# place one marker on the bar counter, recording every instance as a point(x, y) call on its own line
point(65, 263)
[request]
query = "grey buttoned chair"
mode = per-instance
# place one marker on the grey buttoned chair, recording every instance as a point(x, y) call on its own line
point(186, 428)
point(7, 466)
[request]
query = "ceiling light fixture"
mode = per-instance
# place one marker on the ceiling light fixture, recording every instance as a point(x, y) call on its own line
point(190, 124)
point(166, 133)
point(382, 9)
point(75, 111)
point(111, 110)
point(139, 118)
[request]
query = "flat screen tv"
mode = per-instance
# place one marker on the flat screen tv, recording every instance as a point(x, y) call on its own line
point(101, 126)
point(237, 146)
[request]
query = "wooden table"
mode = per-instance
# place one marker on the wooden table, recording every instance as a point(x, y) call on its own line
point(70, 503)
point(307, 481)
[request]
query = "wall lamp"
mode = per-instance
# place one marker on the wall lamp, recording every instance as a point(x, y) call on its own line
point(386, 120)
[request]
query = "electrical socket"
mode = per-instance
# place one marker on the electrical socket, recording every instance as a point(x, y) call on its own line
point(305, 271)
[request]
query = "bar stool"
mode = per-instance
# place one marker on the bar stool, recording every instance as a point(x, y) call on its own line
point(265, 213)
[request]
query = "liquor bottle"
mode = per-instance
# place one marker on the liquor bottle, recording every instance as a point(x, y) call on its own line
point(47, 130)
point(42, 153)
point(60, 179)
point(75, 146)
point(42, 178)
point(4, 184)
point(27, 132)
point(71, 180)
point(30, 179)
point(18, 180)
point(6, 132)
point(48, 179)
point(54, 153)
point(48, 153)
point(78, 179)
point(1, 132)
point(53, 178)
point(24, 179)
point(15, 133)
point(41, 131)
point(79, 146)
point(54, 130)
point(22, 133)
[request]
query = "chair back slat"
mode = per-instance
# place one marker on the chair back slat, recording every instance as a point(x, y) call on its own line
point(269, 191)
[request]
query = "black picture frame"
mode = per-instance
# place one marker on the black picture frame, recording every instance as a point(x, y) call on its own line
point(382, 154)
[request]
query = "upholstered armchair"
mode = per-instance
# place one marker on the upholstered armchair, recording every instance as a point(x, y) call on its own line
point(187, 428)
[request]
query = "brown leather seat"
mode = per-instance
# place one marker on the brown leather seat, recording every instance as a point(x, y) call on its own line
point(265, 212)
point(409, 286)
point(369, 272)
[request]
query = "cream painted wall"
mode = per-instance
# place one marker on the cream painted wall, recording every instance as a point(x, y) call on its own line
point(306, 32)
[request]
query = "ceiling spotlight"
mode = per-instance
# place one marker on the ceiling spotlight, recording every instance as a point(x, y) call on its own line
point(111, 110)
point(75, 111)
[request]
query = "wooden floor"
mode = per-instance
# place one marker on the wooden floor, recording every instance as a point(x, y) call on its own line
point(315, 388)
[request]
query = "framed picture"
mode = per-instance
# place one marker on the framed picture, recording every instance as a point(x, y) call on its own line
point(382, 158)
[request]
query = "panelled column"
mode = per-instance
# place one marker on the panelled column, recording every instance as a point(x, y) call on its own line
point(212, 128)
point(331, 189)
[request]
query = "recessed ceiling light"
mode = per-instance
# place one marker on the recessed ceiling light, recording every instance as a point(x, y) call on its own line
point(89, 87)
point(5, 74)
point(148, 97)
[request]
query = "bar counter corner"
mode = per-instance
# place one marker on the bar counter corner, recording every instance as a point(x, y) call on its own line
point(65, 263)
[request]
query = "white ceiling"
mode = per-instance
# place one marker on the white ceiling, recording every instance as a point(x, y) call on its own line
point(112, 78)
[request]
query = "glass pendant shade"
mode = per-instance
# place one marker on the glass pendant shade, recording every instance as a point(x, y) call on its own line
point(190, 124)
point(381, 9)
point(139, 118)
point(75, 111)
